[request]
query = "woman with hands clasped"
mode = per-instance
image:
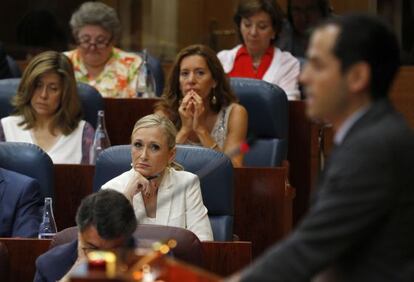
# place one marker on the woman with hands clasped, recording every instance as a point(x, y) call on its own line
point(199, 101)
point(160, 192)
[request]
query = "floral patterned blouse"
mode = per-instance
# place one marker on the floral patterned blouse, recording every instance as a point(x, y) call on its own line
point(119, 77)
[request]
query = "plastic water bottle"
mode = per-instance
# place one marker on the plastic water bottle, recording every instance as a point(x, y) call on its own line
point(100, 140)
point(47, 228)
point(146, 81)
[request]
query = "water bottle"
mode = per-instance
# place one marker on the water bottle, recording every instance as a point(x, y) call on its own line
point(100, 140)
point(146, 82)
point(47, 228)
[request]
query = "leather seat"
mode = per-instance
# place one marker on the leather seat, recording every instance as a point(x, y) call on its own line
point(267, 106)
point(30, 160)
point(188, 248)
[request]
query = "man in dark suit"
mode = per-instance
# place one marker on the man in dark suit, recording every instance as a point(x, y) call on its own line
point(360, 224)
point(20, 205)
point(106, 220)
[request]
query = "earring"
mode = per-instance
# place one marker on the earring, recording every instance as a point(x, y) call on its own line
point(132, 164)
point(213, 100)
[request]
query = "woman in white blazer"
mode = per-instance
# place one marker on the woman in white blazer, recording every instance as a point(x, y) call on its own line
point(160, 192)
point(258, 24)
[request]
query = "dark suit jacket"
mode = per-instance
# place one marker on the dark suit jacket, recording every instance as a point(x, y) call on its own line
point(360, 226)
point(20, 205)
point(55, 263)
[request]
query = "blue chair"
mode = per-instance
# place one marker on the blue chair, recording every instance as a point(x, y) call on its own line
point(213, 168)
point(14, 67)
point(267, 106)
point(30, 160)
point(156, 69)
point(91, 100)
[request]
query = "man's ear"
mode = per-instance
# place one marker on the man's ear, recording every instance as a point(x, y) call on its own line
point(358, 77)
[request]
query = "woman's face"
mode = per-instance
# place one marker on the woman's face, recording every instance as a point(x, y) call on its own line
point(195, 75)
point(47, 94)
point(257, 32)
point(95, 45)
point(150, 153)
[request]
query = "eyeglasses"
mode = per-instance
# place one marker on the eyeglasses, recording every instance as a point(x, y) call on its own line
point(100, 42)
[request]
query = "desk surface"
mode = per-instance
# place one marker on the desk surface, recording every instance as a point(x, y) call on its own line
point(222, 258)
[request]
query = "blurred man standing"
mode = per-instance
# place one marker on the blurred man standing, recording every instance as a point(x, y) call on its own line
point(359, 226)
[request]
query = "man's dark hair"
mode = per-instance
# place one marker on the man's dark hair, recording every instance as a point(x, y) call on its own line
point(109, 212)
point(364, 38)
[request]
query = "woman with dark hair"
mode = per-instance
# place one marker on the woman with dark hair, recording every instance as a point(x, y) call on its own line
point(258, 24)
point(48, 111)
point(199, 101)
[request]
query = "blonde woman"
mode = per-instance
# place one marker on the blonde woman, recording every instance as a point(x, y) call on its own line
point(159, 191)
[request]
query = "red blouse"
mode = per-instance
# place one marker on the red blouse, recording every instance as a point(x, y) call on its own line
point(243, 64)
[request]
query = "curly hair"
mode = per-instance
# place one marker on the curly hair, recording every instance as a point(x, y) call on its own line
point(96, 13)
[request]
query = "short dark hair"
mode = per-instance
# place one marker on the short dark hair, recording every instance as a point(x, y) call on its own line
point(109, 212)
point(365, 38)
point(247, 8)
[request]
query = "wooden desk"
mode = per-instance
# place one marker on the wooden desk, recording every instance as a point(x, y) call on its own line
point(121, 115)
point(262, 206)
point(72, 184)
point(261, 201)
point(221, 258)
point(22, 257)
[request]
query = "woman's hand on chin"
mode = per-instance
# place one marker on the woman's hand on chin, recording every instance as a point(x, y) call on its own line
point(138, 183)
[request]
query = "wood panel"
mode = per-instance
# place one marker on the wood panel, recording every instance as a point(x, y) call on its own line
point(300, 156)
point(262, 205)
point(224, 258)
point(72, 184)
point(402, 93)
point(22, 257)
point(121, 115)
point(219, 257)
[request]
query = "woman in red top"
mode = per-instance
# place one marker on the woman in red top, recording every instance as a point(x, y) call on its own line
point(259, 22)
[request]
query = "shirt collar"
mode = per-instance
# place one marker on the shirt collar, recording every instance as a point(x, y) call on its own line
point(346, 126)
point(243, 51)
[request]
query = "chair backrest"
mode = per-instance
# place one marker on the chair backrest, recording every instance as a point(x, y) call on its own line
point(267, 106)
point(156, 69)
point(188, 248)
point(8, 88)
point(30, 160)
point(91, 100)
point(14, 67)
point(213, 168)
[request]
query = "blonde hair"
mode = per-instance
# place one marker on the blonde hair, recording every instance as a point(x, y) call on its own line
point(69, 113)
point(167, 127)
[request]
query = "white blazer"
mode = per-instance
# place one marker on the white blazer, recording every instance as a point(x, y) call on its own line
point(179, 202)
point(283, 70)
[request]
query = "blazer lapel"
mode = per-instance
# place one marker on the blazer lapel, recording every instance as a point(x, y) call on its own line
point(164, 199)
point(139, 207)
